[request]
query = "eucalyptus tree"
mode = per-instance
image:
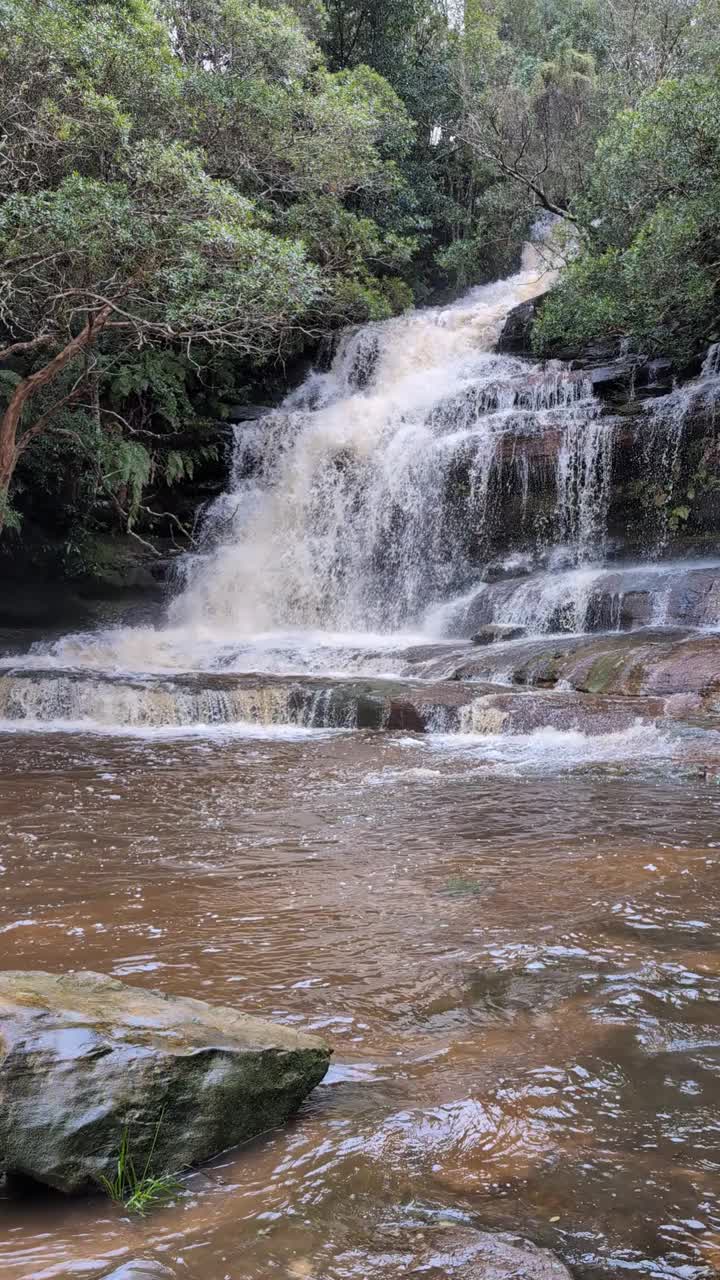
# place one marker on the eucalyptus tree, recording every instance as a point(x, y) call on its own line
point(150, 158)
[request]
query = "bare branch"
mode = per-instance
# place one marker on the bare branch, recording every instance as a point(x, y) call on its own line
point(18, 348)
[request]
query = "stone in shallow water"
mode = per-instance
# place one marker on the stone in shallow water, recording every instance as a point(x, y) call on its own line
point(84, 1058)
point(140, 1269)
point(461, 1253)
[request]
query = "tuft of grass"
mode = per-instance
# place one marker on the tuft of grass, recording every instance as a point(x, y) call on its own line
point(139, 1192)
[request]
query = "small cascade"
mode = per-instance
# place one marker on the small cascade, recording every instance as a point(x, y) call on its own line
point(589, 599)
point(583, 485)
point(97, 702)
point(661, 434)
point(711, 363)
point(105, 702)
point(511, 713)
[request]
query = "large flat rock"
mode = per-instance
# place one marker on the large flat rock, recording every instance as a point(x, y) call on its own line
point(83, 1058)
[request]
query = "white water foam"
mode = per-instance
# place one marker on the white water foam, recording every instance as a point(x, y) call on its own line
point(549, 749)
point(219, 732)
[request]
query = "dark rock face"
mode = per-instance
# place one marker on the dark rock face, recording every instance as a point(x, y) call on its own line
point(659, 374)
point(695, 598)
point(598, 351)
point(613, 372)
point(514, 567)
point(515, 337)
point(628, 376)
point(630, 599)
point(617, 377)
point(248, 412)
point(84, 1059)
point(623, 610)
point(494, 632)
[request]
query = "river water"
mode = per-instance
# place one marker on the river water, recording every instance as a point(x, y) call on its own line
point(510, 936)
point(517, 967)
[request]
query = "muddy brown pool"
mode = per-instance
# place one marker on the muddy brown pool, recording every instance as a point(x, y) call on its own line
point(518, 969)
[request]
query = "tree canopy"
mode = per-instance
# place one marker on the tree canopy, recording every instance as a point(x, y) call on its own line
point(195, 191)
point(652, 213)
point(154, 159)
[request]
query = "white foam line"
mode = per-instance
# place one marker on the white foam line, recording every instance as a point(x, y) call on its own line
point(233, 729)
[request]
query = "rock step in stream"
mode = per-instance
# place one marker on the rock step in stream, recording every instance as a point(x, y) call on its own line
point(593, 684)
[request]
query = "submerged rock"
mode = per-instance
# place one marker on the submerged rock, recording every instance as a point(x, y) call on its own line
point(140, 1269)
point(475, 1254)
point(528, 711)
point(451, 1252)
point(84, 1059)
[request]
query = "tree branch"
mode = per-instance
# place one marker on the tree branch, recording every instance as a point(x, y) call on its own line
point(17, 348)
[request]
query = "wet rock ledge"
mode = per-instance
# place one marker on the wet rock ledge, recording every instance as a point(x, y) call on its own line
point(84, 1058)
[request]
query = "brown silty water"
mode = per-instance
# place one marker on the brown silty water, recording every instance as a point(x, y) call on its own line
point(499, 905)
point(518, 972)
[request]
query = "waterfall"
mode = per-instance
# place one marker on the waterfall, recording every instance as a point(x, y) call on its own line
point(375, 490)
point(419, 488)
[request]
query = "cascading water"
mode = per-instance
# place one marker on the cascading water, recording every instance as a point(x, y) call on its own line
point(662, 433)
point(373, 491)
point(421, 487)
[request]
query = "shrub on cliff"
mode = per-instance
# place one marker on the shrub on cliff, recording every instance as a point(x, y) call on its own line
point(652, 219)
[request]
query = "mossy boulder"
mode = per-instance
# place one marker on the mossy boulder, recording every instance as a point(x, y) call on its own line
point(84, 1059)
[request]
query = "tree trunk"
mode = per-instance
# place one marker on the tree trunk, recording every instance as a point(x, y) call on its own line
point(7, 467)
point(11, 443)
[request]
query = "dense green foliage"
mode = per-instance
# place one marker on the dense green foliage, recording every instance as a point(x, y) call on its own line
point(652, 210)
point(195, 191)
point(188, 194)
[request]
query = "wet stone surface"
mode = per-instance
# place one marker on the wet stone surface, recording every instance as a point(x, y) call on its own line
point(86, 1059)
